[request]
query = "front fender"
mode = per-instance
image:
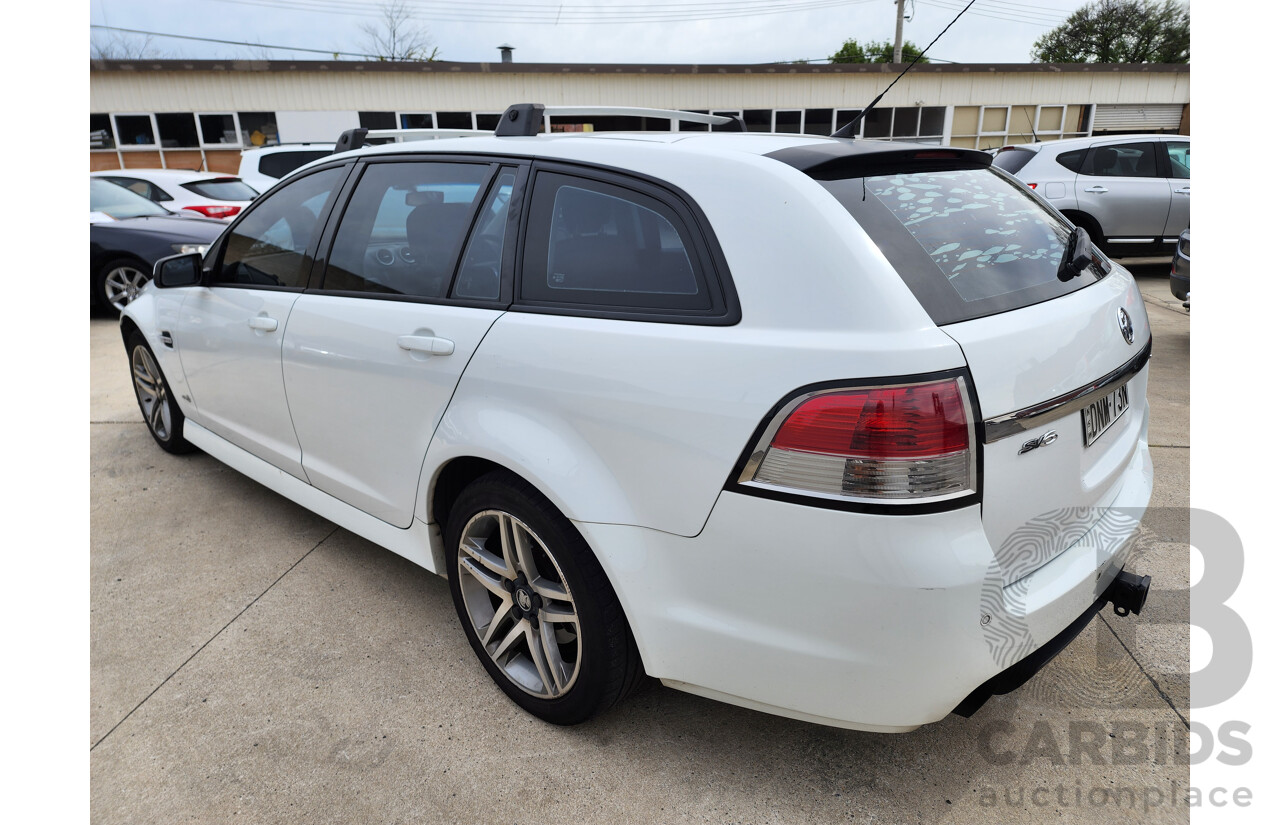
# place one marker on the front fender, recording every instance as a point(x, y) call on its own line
point(152, 313)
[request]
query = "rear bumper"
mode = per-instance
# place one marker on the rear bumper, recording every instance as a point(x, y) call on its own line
point(852, 619)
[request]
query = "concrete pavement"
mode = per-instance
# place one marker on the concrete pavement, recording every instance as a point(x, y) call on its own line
point(251, 662)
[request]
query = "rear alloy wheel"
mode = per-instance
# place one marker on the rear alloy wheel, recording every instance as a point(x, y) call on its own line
point(119, 282)
point(163, 418)
point(535, 603)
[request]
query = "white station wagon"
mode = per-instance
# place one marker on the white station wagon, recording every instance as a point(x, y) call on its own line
point(846, 431)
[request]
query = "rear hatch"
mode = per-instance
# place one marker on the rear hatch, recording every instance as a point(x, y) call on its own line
point(1056, 356)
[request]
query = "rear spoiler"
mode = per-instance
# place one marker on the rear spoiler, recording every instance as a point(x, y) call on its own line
point(840, 159)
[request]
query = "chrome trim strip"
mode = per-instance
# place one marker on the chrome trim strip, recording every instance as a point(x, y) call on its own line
point(1028, 418)
point(1130, 240)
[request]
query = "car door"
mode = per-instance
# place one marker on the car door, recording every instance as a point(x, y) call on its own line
point(229, 334)
point(373, 353)
point(1121, 186)
point(1178, 154)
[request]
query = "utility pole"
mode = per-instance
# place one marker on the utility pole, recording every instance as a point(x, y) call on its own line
point(897, 33)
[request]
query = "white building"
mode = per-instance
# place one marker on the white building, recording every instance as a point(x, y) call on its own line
point(200, 113)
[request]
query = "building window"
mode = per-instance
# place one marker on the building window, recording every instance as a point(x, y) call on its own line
point(787, 121)
point(454, 120)
point(417, 120)
point(258, 128)
point(488, 122)
point(177, 130)
point(377, 120)
point(100, 136)
point(758, 120)
point(844, 116)
point(218, 130)
point(135, 130)
point(817, 122)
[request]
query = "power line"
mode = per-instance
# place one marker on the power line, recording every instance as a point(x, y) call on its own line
point(552, 14)
point(236, 42)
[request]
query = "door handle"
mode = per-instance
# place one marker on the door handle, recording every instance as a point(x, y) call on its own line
point(429, 344)
point(264, 323)
point(1097, 190)
point(1186, 190)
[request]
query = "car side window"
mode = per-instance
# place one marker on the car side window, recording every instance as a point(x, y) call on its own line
point(1123, 160)
point(480, 274)
point(270, 245)
point(143, 188)
point(1179, 159)
point(403, 229)
point(593, 243)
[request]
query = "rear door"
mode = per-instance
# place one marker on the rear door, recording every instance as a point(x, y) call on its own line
point(412, 282)
point(1056, 361)
point(1122, 187)
point(1179, 165)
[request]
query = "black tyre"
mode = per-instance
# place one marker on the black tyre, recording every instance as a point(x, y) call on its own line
point(535, 603)
point(117, 282)
point(160, 412)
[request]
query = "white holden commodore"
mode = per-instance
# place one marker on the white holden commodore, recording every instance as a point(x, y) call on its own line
point(847, 431)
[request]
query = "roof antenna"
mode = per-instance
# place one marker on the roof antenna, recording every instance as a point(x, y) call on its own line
point(851, 128)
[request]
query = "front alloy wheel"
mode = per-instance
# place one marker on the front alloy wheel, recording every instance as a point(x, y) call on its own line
point(123, 283)
point(518, 604)
point(162, 416)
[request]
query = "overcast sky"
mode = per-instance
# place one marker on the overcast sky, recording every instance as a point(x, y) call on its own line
point(622, 31)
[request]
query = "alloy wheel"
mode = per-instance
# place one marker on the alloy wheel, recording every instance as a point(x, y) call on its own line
point(519, 604)
point(123, 283)
point(153, 394)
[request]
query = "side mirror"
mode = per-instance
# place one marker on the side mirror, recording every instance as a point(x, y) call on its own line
point(178, 270)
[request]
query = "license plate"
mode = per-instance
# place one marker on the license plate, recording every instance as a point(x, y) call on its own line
point(1101, 414)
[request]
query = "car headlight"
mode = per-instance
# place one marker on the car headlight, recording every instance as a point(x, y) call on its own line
point(188, 248)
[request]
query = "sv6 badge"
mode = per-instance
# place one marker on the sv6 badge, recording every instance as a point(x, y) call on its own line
point(1043, 441)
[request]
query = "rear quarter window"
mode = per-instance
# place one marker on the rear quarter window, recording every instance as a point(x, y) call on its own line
point(1011, 160)
point(1073, 160)
point(595, 245)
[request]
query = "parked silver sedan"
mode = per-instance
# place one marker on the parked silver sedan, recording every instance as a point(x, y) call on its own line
point(1131, 193)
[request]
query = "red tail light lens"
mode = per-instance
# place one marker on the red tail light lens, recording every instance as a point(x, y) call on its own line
point(1033, 185)
point(908, 441)
point(215, 211)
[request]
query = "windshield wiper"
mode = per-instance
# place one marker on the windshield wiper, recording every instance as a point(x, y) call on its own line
point(1077, 255)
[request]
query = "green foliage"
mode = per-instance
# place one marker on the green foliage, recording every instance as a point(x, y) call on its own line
point(872, 52)
point(1120, 31)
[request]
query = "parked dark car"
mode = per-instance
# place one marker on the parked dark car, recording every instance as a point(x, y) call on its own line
point(128, 234)
point(1180, 274)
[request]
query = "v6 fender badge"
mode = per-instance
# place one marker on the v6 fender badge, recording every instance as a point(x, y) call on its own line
point(1043, 441)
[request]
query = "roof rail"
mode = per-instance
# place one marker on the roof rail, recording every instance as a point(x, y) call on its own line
point(525, 119)
point(355, 138)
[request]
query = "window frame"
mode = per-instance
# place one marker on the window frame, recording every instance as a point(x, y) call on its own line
point(515, 211)
point(316, 282)
point(216, 254)
point(704, 253)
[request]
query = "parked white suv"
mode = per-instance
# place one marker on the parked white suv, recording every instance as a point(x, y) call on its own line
point(264, 166)
point(847, 431)
point(1131, 193)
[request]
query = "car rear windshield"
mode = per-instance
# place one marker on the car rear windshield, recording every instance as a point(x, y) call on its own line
point(968, 242)
point(222, 189)
point(1012, 159)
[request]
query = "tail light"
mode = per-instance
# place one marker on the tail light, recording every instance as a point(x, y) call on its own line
point(215, 211)
point(1033, 185)
point(902, 442)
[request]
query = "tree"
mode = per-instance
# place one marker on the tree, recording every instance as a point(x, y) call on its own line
point(1120, 31)
point(396, 36)
point(122, 46)
point(882, 52)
